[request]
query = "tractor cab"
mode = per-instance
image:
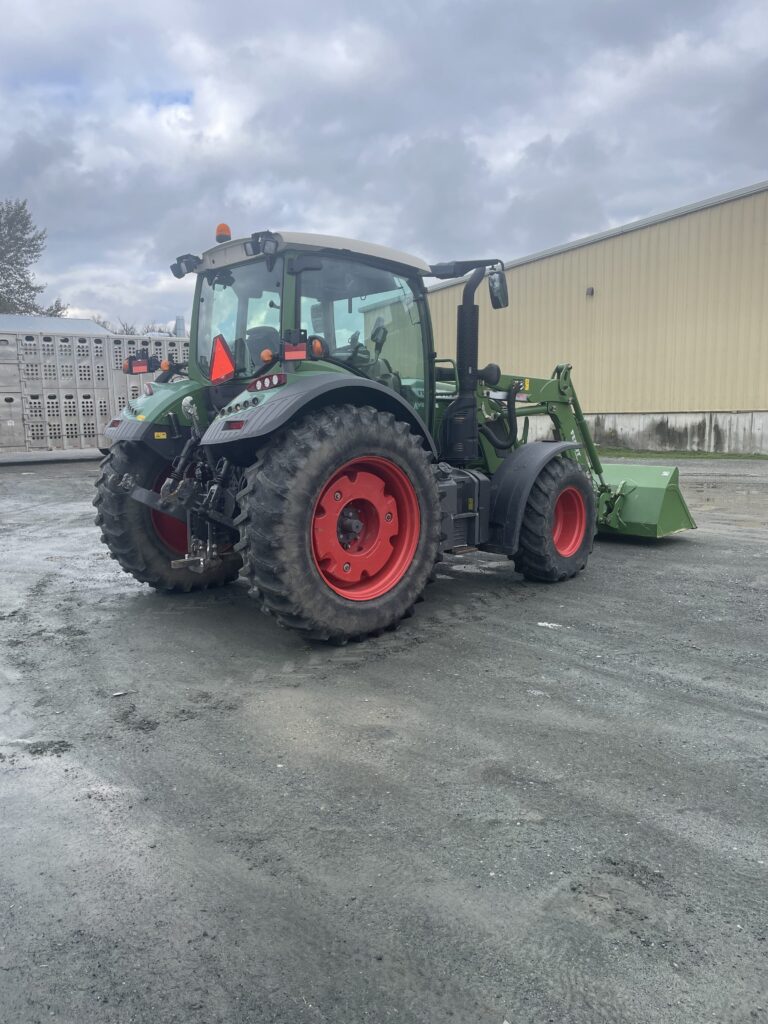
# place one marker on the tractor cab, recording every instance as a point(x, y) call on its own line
point(309, 303)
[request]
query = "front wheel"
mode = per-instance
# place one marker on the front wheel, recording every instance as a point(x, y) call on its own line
point(340, 523)
point(559, 523)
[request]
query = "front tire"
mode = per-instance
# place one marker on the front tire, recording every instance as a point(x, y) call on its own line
point(340, 523)
point(559, 523)
point(142, 541)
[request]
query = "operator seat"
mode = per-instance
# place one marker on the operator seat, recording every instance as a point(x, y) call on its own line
point(380, 368)
point(259, 338)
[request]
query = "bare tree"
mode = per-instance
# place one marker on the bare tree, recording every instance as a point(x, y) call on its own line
point(103, 322)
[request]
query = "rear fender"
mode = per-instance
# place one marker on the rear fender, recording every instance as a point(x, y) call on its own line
point(294, 400)
point(160, 437)
point(510, 487)
point(148, 418)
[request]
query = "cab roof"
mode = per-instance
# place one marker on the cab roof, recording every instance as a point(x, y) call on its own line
point(226, 253)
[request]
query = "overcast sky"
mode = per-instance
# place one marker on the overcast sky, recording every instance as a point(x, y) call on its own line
point(450, 129)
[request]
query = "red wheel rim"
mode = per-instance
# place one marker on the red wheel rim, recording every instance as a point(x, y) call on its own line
point(365, 528)
point(570, 522)
point(172, 532)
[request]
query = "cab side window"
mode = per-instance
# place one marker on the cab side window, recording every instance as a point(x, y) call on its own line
point(371, 321)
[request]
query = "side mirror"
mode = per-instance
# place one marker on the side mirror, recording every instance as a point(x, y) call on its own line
point(497, 289)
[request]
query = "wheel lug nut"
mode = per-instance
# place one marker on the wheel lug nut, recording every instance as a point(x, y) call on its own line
point(388, 517)
point(337, 496)
point(347, 567)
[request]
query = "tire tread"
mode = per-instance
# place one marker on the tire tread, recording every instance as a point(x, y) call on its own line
point(270, 563)
point(536, 557)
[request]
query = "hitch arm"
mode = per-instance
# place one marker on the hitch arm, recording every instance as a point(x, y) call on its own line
point(155, 501)
point(174, 509)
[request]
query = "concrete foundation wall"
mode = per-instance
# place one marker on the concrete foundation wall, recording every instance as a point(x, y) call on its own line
point(732, 433)
point(744, 433)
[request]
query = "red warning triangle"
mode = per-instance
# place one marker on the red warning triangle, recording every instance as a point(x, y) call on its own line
point(222, 363)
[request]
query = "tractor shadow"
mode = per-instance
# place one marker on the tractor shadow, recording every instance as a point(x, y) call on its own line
point(466, 587)
point(659, 543)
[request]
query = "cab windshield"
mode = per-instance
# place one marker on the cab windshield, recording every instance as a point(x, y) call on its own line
point(241, 303)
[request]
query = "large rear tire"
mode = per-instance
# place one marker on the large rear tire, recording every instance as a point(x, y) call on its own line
point(340, 523)
point(559, 523)
point(141, 540)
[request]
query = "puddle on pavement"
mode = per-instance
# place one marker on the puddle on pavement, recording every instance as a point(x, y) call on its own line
point(741, 505)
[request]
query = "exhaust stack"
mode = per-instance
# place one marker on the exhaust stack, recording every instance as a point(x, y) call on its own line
point(459, 442)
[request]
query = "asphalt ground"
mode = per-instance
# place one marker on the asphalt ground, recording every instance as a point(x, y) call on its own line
point(529, 803)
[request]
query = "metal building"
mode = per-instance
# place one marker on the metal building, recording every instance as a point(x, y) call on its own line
point(665, 321)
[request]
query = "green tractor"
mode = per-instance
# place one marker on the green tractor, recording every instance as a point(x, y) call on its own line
point(316, 444)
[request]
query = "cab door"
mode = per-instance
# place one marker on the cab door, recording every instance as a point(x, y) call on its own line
point(374, 321)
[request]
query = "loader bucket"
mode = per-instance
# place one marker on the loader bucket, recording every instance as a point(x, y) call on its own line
point(645, 502)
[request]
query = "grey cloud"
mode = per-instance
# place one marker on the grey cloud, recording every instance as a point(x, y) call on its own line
point(449, 128)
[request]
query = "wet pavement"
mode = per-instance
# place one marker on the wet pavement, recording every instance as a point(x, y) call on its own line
point(530, 803)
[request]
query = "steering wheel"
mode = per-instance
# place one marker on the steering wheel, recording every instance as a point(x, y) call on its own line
point(354, 343)
point(354, 352)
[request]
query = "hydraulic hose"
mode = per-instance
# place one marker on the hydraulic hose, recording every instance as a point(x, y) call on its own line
point(501, 444)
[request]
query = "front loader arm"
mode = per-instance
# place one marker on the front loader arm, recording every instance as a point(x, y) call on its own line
point(555, 397)
point(639, 501)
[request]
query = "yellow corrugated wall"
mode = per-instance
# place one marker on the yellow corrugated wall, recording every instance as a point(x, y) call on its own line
point(678, 321)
